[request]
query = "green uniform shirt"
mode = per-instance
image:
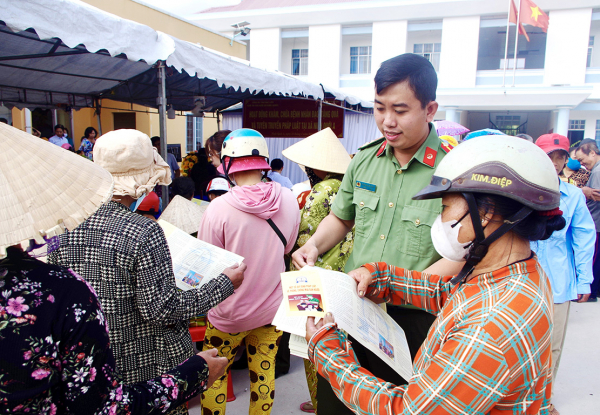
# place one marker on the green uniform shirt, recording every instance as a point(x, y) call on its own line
point(377, 194)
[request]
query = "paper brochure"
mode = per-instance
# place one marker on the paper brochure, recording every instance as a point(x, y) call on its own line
point(195, 262)
point(361, 318)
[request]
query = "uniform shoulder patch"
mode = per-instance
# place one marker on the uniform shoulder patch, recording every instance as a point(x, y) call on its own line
point(446, 148)
point(372, 143)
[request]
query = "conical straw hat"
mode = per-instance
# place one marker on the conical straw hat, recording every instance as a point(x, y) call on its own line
point(184, 214)
point(320, 151)
point(44, 189)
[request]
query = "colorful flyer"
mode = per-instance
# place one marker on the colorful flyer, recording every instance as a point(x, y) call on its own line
point(303, 293)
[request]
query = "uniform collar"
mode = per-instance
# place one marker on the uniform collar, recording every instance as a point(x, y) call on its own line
point(426, 154)
point(562, 187)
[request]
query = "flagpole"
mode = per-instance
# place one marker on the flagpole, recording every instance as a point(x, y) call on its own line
point(516, 43)
point(506, 45)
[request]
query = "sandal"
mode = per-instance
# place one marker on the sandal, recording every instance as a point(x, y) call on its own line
point(307, 407)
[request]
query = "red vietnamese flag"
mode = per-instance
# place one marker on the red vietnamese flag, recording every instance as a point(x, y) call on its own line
point(531, 14)
point(512, 17)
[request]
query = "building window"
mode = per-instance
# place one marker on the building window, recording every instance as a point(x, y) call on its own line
point(193, 133)
point(492, 43)
point(360, 59)
point(597, 131)
point(576, 131)
point(590, 49)
point(508, 124)
point(431, 51)
point(576, 124)
point(299, 61)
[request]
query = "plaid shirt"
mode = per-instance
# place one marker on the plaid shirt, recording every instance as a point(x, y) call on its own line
point(125, 257)
point(488, 352)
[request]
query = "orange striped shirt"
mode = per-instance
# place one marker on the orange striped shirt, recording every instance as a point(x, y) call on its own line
point(488, 352)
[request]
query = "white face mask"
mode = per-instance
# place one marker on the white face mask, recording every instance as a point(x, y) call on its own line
point(445, 240)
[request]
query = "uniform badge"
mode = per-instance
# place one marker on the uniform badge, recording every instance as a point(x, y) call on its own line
point(381, 149)
point(430, 156)
point(366, 186)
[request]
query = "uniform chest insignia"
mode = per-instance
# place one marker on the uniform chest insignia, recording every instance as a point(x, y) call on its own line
point(366, 186)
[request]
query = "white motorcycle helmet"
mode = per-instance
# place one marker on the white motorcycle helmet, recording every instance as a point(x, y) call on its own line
point(244, 149)
point(500, 165)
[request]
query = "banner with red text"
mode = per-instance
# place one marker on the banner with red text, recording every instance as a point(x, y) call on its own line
point(294, 118)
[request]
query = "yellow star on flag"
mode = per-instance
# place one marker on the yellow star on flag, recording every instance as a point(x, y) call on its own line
point(535, 12)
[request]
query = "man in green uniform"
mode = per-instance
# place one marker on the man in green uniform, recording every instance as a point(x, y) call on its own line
point(376, 196)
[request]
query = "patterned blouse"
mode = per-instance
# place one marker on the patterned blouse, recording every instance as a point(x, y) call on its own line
point(488, 351)
point(55, 356)
point(317, 207)
point(579, 178)
point(87, 147)
point(125, 257)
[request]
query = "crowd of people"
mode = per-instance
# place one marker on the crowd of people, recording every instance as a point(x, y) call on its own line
point(478, 247)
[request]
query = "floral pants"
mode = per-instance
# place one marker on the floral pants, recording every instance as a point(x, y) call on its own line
point(311, 380)
point(261, 347)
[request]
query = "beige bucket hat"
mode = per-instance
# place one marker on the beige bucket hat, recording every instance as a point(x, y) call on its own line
point(184, 214)
point(321, 151)
point(134, 164)
point(44, 189)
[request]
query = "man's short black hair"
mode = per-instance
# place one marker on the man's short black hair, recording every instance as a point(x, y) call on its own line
point(276, 164)
point(588, 148)
point(183, 186)
point(57, 126)
point(415, 69)
point(155, 139)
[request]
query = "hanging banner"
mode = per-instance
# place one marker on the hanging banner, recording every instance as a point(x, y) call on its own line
point(294, 118)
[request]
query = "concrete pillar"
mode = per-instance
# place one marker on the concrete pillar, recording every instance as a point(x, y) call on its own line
point(28, 125)
point(562, 121)
point(388, 40)
point(324, 50)
point(460, 46)
point(566, 46)
point(266, 48)
point(451, 114)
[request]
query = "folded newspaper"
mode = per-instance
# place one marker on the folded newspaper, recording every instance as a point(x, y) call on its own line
point(195, 262)
point(315, 291)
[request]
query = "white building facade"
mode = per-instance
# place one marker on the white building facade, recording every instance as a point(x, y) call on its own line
point(341, 44)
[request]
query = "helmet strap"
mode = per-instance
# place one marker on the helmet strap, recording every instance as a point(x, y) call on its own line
point(226, 168)
point(480, 245)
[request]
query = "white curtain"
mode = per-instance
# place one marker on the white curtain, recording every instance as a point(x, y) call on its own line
point(359, 129)
point(232, 120)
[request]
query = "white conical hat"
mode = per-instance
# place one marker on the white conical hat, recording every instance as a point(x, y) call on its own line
point(184, 214)
point(321, 151)
point(44, 189)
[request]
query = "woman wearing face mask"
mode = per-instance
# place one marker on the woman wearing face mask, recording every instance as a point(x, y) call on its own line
point(488, 351)
point(574, 173)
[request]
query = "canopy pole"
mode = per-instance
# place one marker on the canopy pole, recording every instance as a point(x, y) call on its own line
point(218, 121)
point(320, 117)
point(162, 118)
point(98, 117)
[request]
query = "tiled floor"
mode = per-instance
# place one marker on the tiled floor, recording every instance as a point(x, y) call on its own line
point(577, 389)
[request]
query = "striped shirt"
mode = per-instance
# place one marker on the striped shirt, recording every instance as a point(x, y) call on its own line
point(488, 352)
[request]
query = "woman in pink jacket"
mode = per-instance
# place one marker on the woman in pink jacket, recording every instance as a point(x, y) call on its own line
point(258, 221)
